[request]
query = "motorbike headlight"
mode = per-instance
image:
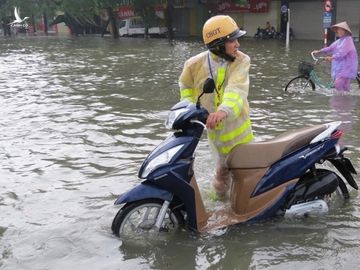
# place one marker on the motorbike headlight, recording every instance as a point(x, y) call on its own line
point(173, 115)
point(161, 159)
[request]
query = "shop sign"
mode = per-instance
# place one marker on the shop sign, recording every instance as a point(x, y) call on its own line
point(327, 19)
point(127, 11)
point(124, 12)
point(238, 6)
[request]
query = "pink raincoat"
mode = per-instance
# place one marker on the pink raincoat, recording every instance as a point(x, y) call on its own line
point(345, 58)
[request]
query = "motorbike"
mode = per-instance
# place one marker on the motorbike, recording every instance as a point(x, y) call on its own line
point(282, 176)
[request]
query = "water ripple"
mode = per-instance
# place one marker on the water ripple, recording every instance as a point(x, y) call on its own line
point(78, 116)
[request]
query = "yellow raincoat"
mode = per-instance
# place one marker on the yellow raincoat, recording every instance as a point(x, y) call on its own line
point(232, 84)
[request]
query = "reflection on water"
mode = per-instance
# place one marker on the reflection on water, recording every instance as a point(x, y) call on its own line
point(79, 115)
point(343, 106)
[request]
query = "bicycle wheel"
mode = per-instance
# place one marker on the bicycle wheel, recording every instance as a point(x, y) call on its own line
point(300, 84)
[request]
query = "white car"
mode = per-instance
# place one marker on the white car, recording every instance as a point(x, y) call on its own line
point(135, 27)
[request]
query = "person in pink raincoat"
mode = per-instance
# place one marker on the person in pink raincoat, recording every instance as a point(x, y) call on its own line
point(343, 57)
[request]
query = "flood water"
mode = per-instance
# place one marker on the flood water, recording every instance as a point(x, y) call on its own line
point(78, 116)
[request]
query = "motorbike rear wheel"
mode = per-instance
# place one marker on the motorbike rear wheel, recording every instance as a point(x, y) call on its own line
point(139, 218)
point(342, 190)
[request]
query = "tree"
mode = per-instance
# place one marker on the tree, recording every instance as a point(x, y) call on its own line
point(94, 7)
point(5, 16)
point(46, 8)
point(109, 6)
point(146, 10)
point(31, 8)
point(169, 15)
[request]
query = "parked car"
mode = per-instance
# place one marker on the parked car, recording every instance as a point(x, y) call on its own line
point(135, 27)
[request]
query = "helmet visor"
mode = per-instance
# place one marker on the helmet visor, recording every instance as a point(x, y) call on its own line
point(236, 34)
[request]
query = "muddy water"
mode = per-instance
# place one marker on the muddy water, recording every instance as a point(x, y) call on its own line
point(78, 116)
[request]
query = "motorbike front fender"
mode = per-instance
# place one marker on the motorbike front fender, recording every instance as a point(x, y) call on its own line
point(144, 191)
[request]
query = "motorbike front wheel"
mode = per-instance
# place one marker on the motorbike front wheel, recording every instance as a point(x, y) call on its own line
point(139, 218)
point(300, 84)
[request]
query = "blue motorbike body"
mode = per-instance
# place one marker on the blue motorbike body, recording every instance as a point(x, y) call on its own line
point(170, 181)
point(144, 191)
point(293, 165)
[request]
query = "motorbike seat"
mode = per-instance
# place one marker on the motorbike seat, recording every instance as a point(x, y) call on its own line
point(264, 154)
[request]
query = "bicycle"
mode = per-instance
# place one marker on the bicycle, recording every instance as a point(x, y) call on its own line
point(308, 79)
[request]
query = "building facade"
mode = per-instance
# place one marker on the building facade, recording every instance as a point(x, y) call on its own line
point(306, 16)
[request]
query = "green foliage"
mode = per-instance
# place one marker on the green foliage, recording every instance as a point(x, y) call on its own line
point(50, 7)
point(6, 8)
point(29, 7)
point(241, 2)
point(145, 9)
point(87, 7)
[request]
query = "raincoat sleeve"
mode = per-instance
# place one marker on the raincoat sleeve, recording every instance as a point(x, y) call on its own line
point(330, 49)
point(186, 83)
point(339, 49)
point(343, 49)
point(344, 58)
point(237, 87)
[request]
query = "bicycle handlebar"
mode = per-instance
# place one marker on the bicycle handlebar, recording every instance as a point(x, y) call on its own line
point(313, 56)
point(316, 59)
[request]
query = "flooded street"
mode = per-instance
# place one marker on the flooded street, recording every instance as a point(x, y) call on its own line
point(79, 115)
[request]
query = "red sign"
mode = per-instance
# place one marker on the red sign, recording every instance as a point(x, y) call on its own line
point(238, 6)
point(127, 11)
point(124, 12)
point(327, 5)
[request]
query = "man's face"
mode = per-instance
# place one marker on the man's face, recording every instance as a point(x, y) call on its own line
point(232, 46)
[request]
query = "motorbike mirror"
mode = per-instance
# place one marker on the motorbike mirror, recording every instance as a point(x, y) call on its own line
point(209, 86)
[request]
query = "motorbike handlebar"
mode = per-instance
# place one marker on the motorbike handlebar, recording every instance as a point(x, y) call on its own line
point(198, 122)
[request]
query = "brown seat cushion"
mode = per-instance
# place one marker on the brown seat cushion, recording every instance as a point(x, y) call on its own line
point(264, 154)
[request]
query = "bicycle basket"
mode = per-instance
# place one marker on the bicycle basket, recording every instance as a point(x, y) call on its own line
point(305, 68)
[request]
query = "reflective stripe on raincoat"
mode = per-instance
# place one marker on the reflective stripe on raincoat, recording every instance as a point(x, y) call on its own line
point(232, 80)
point(345, 58)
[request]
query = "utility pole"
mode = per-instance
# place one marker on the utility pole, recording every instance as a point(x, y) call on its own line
point(333, 20)
point(288, 29)
point(285, 15)
point(169, 19)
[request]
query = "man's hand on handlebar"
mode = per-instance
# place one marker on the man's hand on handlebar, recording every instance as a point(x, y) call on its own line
point(328, 58)
point(215, 118)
